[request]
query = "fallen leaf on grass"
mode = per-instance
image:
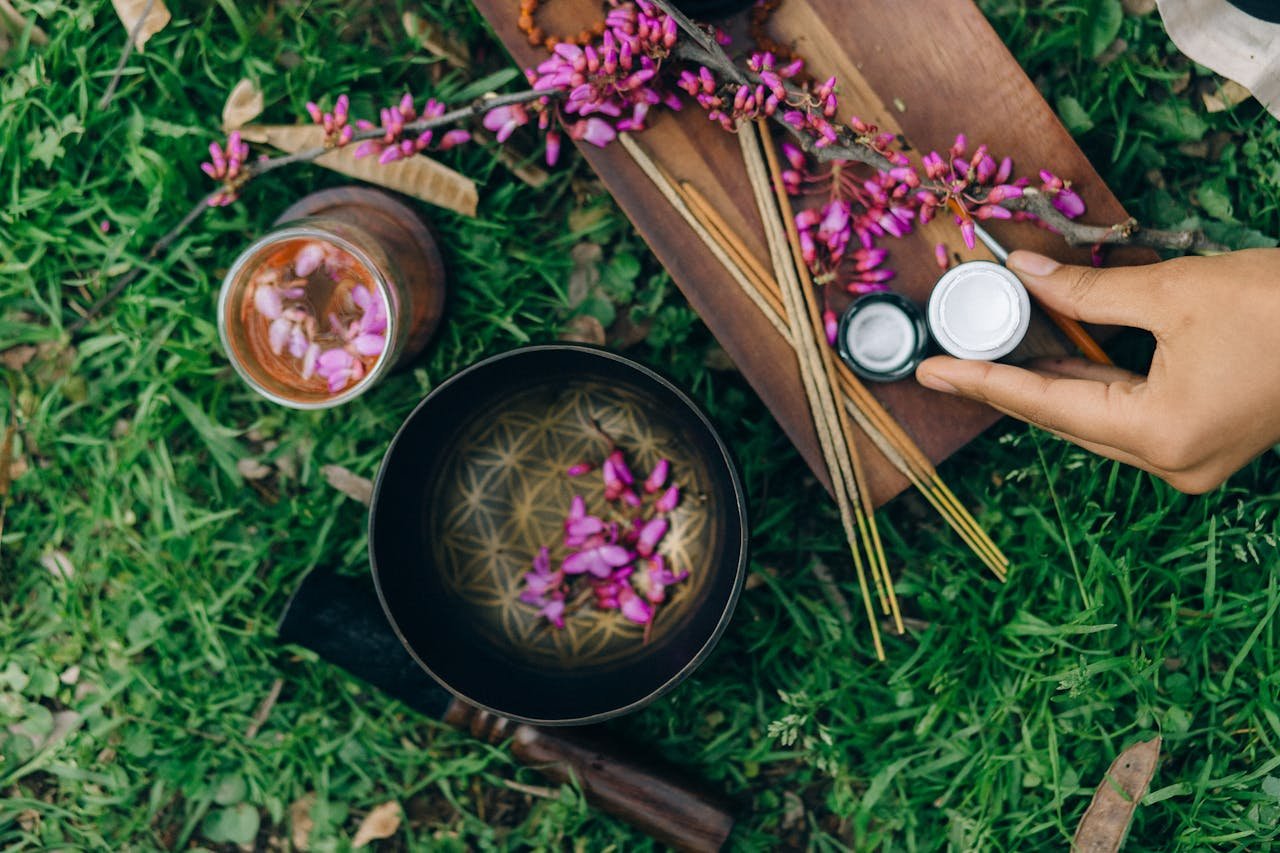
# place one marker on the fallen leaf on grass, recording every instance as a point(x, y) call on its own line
point(243, 105)
point(252, 469)
point(584, 329)
point(58, 564)
point(352, 485)
point(382, 822)
point(147, 17)
point(63, 724)
point(16, 358)
point(1106, 821)
point(300, 822)
point(585, 275)
point(436, 40)
point(1229, 94)
point(12, 22)
point(1138, 8)
point(717, 359)
point(793, 813)
point(419, 176)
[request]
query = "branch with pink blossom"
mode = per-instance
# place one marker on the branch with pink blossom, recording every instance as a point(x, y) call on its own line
point(403, 132)
point(808, 115)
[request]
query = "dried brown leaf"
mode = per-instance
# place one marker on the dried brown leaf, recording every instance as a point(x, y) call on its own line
point(518, 163)
point(585, 275)
point(431, 36)
point(352, 485)
point(793, 811)
point(382, 822)
point(1106, 821)
point(420, 177)
point(131, 12)
point(1229, 94)
point(717, 359)
point(252, 469)
point(58, 564)
point(1138, 8)
point(12, 22)
point(243, 105)
point(300, 822)
point(584, 329)
point(15, 358)
point(626, 332)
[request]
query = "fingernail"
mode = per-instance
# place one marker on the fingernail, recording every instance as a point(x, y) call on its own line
point(1032, 263)
point(932, 380)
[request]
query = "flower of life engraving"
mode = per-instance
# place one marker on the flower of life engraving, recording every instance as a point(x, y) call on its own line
point(502, 493)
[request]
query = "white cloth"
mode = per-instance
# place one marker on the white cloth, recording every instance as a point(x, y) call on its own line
point(1234, 44)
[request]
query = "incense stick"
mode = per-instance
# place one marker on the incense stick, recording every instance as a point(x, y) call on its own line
point(858, 487)
point(813, 375)
point(873, 419)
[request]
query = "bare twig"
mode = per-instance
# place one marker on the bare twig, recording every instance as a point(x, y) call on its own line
point(540, 791)
point(134, 274)
point(11, 19)
point(852, 146)
point(264, 709)
point(1128, 233)
point(125, 53)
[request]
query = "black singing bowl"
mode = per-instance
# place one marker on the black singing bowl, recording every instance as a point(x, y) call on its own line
point(475, 482)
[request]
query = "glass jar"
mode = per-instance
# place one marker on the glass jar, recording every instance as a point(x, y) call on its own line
point(320, 309)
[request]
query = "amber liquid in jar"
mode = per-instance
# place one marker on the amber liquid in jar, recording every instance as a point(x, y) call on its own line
point(314, 319)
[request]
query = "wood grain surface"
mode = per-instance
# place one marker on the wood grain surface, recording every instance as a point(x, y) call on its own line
point(953, 74)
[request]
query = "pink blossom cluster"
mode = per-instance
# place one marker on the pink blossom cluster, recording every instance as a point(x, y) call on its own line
point(394, 144)
point(728, 105)
point(614, 562)
point(337, 129)
point(339, 355)
point(609, 86)
point(226, 166)
point(972, 186)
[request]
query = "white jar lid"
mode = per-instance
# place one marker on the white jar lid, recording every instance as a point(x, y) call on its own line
point(881, 337)
point(979, 310)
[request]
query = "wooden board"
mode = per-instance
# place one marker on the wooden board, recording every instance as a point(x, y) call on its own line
point(950, 74)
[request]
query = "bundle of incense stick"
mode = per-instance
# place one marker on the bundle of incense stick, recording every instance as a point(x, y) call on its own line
point(766, 293)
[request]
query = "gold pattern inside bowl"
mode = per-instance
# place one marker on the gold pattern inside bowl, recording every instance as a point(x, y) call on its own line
point(502, 493)
point(474, 484)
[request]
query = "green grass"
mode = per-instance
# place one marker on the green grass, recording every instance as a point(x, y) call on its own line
point(1133, 609)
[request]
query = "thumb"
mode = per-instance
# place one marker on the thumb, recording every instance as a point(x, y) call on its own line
point(1122, 296)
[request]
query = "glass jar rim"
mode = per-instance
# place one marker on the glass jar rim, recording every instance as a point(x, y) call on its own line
point(308, 228)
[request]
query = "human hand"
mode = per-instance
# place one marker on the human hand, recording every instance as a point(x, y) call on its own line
point(1211, 400)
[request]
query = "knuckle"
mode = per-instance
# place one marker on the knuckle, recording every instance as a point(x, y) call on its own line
point(1082, 286)
point(1173, 285)
point(1175, 452)
point(1197, 481)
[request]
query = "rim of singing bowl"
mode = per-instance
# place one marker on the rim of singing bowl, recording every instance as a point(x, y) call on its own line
point(458, 657)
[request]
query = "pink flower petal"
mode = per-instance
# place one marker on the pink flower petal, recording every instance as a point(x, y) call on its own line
point(266, 300)
point(651, 535)
point(298, 342)
point(309, 361)
point(308, 260)
point(658, 476)
point(278, 334)
point(669, 501)
point(634, 607)
point(369, 345)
